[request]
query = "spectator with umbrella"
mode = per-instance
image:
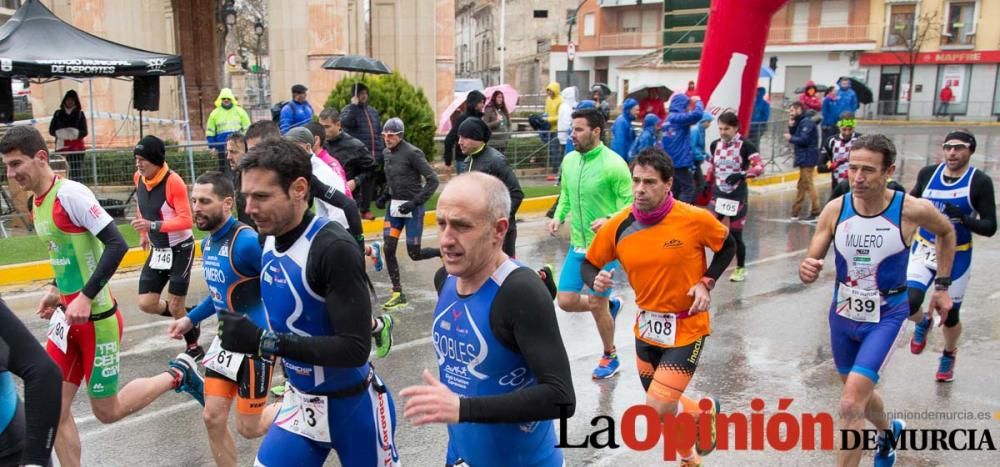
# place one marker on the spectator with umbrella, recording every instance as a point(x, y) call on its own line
point(497, 118)
point(475, 103)
point(599, 93)
point(849, 101)
point(810, 97)
point(362, 121)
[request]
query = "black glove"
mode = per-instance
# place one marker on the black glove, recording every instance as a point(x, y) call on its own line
point(382, 200)
point(406, 207)
point(239, 334)
point(735, 179)
point(954, 213)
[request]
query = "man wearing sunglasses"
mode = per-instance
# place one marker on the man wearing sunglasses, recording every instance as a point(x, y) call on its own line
point(965, 195)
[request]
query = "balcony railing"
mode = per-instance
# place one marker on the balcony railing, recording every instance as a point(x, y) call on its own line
point(631, 40)
point(819, 34)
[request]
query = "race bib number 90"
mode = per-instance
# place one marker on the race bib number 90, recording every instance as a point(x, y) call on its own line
point(58, 329)
point(859, 304)
point(658, 327)
point(161, 259)
point(304, 415)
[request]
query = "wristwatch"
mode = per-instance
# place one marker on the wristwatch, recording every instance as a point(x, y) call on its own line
point(154, 226)
point(708, 282)
point(268, 344)
point(942, 283)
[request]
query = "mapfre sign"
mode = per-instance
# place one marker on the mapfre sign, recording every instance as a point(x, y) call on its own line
point(944, 57)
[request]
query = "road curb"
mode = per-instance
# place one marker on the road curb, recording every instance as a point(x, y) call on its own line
point(13, 274)
point(957, 123)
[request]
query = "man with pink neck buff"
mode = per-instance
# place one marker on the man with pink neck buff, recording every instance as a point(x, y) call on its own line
point(660, 244)
point(734, 160)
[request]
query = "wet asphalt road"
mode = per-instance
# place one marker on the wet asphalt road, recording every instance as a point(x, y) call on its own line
point(770, 340)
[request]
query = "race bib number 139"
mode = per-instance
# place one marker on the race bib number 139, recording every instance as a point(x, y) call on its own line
point(859, 304)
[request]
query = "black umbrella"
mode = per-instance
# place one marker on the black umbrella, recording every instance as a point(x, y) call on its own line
point(641, 91)
point(864, 93)
point(358, 63)
point(603, 88)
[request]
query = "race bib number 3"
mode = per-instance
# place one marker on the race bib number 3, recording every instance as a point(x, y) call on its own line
point(658, 327)
point(927, 254)
point(727, 207)
point(222, 361)
point(58, 329)
point(304, 415)
point(858, 304)
point(161, 258)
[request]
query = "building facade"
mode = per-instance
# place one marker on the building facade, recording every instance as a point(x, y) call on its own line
point(660, 42)
point(948, 43)
point(532, 28)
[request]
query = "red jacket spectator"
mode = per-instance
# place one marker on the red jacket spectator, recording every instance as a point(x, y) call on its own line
point(652, 104)
point(810, 98)
point(947, 94)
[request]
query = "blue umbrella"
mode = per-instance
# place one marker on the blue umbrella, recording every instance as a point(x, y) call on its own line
point(766, 72)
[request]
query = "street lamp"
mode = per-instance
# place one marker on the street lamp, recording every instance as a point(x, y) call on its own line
point(229, 15)
point(258, 30)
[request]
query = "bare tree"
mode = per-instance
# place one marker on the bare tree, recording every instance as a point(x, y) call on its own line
point(249, 14)
point(910, 39)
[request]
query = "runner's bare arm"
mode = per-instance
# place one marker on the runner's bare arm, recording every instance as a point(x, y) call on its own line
point(813, 263)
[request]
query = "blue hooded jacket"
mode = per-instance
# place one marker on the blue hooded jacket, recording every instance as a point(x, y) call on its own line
point(831, 110)
point(622, 134)
point(761, 107)
point(848, 98)
point(677, 130)
point(698, 138)
point(647, 138)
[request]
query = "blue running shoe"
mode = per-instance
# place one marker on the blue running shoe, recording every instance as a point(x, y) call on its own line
point(616, 306)
point(919, 340)
point(946, 368)
point(885, 454)
point(377, 256)
point(191, 381)
point(607, 367)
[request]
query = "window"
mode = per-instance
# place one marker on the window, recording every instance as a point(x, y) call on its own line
point(901, 29)
point(834, 13)
point(630, 21)
point(959, 24)
point(588, 24)
point(541, 13)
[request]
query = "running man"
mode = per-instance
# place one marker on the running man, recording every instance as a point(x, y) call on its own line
point(965, 195)
point(870, 228)
point(231, 261)
point(26, 437)
point(351, 220)
point(500, 393)
point(411, 182)
point(595, 186)
point(660, 243)
point(837, 149)
point(84, 333)
point(164, 222)
point(316, 295)
point(734, 160)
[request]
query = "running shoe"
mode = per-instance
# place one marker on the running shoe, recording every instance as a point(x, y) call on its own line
point(185, 370)
point(377, 256)
point(793, 218)
point(396, 300)
point(607, 367)
point(549, 279)
point(279, 390)
point(919, 340)
point(383, 338)
point(615, 304)
point(714, 413)
point(197, 352)
point(739, 275)
point(811, 219)
point(946, 368)
point(885, 453)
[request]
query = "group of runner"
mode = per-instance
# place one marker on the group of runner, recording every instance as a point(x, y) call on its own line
point(292, 289)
